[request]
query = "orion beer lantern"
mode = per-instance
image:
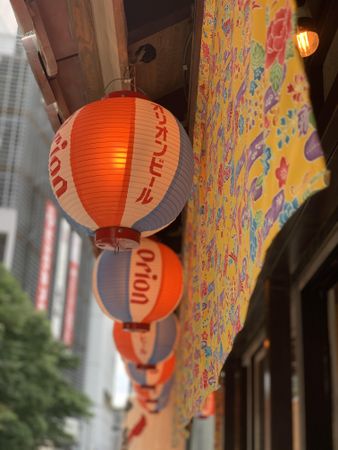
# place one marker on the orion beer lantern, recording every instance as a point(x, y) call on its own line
point(138, 287)
point(121, 167)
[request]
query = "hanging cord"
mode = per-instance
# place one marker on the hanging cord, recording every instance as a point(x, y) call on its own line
point(186, 65)
point(125, 80)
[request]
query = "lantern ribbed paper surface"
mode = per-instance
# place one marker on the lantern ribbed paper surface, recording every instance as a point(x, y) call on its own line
point(208, 408)
point(148, 348)
point(154, 393)
point(121, 163)
point(156, 406)
point(150, 377)
point(140, 286)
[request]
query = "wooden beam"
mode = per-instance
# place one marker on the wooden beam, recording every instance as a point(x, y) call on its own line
point(111, 37)
point(81, 21)
point(194, 65)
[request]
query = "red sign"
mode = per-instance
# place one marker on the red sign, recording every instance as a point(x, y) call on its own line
point(46, 257)
point(71, 297)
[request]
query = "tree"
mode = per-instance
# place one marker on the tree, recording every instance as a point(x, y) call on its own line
point(35, 398)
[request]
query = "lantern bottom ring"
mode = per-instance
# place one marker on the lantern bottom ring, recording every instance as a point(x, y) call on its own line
point(117, 238)
point(146, 366)
point(136, 326)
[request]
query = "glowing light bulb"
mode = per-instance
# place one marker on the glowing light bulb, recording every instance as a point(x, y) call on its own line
point(307, 41)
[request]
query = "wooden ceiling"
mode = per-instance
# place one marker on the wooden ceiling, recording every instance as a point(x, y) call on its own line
point(165, 74)
point(80, 50)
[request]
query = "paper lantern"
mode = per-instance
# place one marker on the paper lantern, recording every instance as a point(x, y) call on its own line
point(120, 167)
point(154, 407)
point(208, 408)
point(138, 287)
point(147, 349)
point(153, 395)
point(150, 377)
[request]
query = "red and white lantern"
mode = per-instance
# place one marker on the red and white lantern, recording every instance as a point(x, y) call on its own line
point(138, 287)
point(151, 377)
point(147, 349)
point(121, 167)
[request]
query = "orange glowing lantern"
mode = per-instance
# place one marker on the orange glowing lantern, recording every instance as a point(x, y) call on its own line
point(208, 408)
point(154, 406)
point(307, 38)
point(151, 377)
point(150, 348)
point(138, 287)
point(152, 395)
point(121, 167)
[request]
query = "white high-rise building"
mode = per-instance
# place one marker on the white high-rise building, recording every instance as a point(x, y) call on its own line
point(52, 262)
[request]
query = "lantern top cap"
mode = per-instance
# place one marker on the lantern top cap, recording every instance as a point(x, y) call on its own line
point(126, 93)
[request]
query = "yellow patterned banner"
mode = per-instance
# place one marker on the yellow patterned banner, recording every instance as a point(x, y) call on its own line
point(257, 159)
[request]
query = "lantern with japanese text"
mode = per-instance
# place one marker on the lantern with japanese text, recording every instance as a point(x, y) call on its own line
point(150, 377)
point(147, 349)
point(121, 167)
point(138, 287)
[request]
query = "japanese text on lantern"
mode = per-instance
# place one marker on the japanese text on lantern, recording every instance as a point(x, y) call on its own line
point(59, 183)
point(157, 161)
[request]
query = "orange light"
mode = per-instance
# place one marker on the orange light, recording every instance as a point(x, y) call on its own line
point(307, 42)
point(266, 344)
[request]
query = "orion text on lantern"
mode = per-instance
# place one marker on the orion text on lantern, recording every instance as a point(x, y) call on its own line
point(143, 277)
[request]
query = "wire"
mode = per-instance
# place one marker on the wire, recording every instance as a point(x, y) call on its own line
point(126, 80)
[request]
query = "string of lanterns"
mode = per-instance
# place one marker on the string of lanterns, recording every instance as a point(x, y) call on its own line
point(121, 169)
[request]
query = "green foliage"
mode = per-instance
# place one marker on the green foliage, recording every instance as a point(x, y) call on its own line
point(35, 398)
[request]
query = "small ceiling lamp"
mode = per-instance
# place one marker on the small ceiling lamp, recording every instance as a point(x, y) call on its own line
point(149, 378)
point(307, 38)
point(138, 287)
point(147, 349)
point(121, 167)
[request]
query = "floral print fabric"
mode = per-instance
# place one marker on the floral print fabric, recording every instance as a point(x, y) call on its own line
point(257, 159)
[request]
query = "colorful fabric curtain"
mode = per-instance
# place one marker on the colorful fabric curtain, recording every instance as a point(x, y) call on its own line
point(257, 159)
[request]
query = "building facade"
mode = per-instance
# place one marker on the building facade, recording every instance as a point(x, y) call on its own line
point(51, 261)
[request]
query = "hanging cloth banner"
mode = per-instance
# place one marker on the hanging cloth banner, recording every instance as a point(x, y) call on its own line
point(257, 159)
